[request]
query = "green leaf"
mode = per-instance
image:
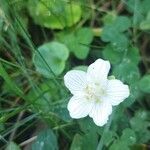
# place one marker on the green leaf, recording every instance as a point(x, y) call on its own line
point(145, 24)
point(129, 136)
point(140, 125)
point(113, 31)
point(133, 56)
point(118, 145)
point(78, 42)
point(120, 120)
point(115, 57)
point(87, 125)
point(46, 140)
point(54, 14)
point(12, 146)
point(134, 6)
point(125, 68)
point(144, 84)
point(61, 111)
point(127, 72)
point(122, 23)
point(109, 18)
point(77, 142)
point(112, 55)
point(127, 139)
point(109, 34)
point(119, 40)
point(134, 94)
point(90, 141)
point(145, 6)
point(50, 59)
point(119, 23)
point(140, 9)
point(108, 137)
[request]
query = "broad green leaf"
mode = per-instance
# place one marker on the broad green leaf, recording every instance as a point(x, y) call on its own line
point(119, 40)
point(118, 145)
point(127, 139)
point(108, 137)
point(87, 125)
point(77, 142)
point(140, 125)
point(134, 94)
point(139, 8)
point(12, 146)
point(113, 31)
point(112, 55)
point(134, 6)
point(120, 23)
point(46, 140)
point(109, 18)
point(54, 14)
point(144, 83)
point(109, 34)
point(127, 72)
point(78, 41)
point(90, 141)
point(131, 55)
point(61, 111)
point(145, 6)
point(120, 120)
point(50, 58)
point(129, 136)
point(145, 24)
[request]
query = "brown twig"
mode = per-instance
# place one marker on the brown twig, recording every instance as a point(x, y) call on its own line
point(28, 141)
point(120, 7)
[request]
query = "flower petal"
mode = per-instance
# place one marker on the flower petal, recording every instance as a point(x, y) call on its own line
point(75, 81)
point(100, 113)
point(116, 92)
point(98, 71)
point(79, 107)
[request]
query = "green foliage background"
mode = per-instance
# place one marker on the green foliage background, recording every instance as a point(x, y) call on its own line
point(40, 40)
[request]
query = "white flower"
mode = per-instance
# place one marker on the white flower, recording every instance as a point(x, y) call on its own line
point(93, 93)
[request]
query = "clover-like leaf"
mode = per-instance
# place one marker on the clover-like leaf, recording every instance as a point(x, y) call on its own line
point(78, 41)
point(54, 14)
point(50, 58)
point(144, 83)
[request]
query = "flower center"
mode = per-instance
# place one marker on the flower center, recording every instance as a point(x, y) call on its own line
point(94, 92)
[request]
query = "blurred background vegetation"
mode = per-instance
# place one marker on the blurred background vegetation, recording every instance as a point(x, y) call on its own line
point(40, 40)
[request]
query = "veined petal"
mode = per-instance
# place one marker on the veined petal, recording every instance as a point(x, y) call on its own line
point(98, 71)
point(75, 81)
point(116, 92)
point(79, 107)
point(100, 113)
